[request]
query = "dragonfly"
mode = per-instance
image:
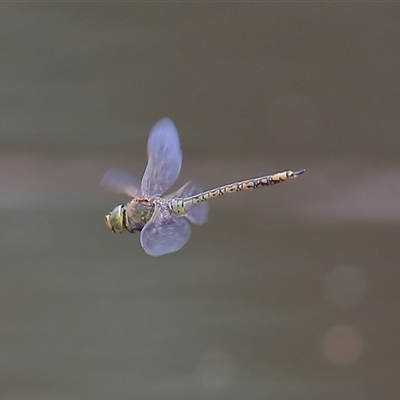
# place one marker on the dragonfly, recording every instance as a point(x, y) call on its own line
point(163, 220)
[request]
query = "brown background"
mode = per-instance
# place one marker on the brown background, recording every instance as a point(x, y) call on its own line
point(290, 292)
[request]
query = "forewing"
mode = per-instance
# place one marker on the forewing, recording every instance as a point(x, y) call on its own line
point(197, 213)
point(119, 181)
point(164, 159)
point(163, 233)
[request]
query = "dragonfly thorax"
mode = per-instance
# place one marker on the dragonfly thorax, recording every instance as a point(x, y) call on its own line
point(138, 213)
point(131, 217)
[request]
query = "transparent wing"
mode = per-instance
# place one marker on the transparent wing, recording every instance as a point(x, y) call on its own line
point(165, 159)
point(119, 181)
point(197, 213)
point(163, 233)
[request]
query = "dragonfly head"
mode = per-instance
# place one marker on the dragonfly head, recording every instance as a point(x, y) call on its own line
point(115, 219)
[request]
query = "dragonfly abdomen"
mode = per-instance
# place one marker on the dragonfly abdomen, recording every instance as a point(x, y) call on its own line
point(180, 205)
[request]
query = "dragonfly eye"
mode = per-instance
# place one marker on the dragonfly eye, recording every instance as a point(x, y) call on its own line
point(115, 219)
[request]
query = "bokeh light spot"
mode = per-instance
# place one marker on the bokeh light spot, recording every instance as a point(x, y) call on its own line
point(342, 345)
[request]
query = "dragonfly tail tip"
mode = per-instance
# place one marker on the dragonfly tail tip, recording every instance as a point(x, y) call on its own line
point(297, 173)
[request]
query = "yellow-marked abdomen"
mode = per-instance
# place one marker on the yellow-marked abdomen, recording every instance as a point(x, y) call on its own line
point(179, 205)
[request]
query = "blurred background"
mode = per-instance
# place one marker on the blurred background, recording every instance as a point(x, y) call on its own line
point(288, 292)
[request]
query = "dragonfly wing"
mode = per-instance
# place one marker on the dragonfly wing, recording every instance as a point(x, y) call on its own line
point(163, 233)
point(119, 181)
point(164, 159)
point(197, 213)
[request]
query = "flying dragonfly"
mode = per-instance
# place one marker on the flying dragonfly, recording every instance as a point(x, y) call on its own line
point(163, 221)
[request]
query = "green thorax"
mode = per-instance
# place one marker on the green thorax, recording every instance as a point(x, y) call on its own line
point(139, 212)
